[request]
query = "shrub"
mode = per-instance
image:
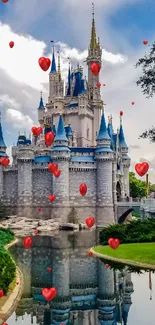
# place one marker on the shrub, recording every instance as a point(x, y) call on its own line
point(6, 236)
point(136, 231)
point(7, 270)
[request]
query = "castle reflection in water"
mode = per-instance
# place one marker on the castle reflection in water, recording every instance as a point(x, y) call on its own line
point(88, 293)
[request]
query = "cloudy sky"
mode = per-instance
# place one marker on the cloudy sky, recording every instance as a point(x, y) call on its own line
point(122, 26)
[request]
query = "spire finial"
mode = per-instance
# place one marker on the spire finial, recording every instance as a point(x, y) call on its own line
point(93, 42)
point(41, 94)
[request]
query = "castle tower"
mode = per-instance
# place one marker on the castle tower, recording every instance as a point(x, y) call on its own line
point(94, 55)
point(85, 123)
point(106, 300)
point(104, 159)
point(127, 302)
point(2, 155)
point(61, 155)
point(25, 157)
point(60, 82)
point(52, 78)
point(125, 159)
point(41, 111)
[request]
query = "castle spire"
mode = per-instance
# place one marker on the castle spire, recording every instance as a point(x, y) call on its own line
point(69, 81)
point(60, 133)
point(53, 65)
point(41, 104)
point(122, 141)
point(2, 143)
point(59, 69)
point(93, 42)
point(103, 133)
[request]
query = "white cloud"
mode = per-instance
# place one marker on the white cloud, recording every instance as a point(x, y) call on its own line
point(18, 119)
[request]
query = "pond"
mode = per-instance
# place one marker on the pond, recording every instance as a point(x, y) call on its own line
point(88, 292)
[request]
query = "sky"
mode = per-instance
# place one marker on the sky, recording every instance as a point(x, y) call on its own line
point(122, 26)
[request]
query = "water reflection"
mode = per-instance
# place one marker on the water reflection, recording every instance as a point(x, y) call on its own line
point(88, 292)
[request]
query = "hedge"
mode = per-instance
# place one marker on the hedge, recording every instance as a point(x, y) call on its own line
point(7, 265)
point(136, 231)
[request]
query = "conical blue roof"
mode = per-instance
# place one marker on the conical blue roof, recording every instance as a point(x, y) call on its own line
point(2, 143)
point(69, 82)
point(77, 87)
point(41, 104)
point(54, 129)
point(82, 90)
point(122, 138)
point(103, 133)
point(110, 132)
point(53, 65)
point(125, 312)
point(60, 133)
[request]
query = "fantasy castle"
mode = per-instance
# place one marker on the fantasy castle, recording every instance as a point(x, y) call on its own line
point(86, 150)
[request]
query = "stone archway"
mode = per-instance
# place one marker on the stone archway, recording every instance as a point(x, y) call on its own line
point(118, 191)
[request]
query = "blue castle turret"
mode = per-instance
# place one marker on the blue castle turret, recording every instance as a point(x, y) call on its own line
point(61, 155)
point(2, 143)
point(104, 157)
point(41, 110)
point(53, 64)
point(125, 159)
point(69, 82)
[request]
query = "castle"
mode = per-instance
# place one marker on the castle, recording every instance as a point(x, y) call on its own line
point(86, 150)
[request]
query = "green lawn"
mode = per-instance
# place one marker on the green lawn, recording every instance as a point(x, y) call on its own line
point(138, 253)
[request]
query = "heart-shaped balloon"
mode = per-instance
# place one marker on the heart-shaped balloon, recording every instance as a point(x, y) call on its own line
point(90, 253)
point(17, 283)
point(52, 167)
point(1, 293)
point(49, 138)
point(95, 68)
point(145, 42)
point(39, 209)
point(36, 232)
point(11, 44)
point(44, 63)
point(142, 168)
point(49, 294)
point(121, 113)
point(57, 173)
point(98, 85)
point(113, 242)
point(83, 189)
point(132, 103)
point(5, 1)
point(27, 242)
point(51, 197)
point(107, 265)
point(36, 130)
point(90, 222)
point(4, 161)
point(49, 269)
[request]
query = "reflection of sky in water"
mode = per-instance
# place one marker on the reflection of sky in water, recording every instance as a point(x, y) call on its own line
point(76, 274)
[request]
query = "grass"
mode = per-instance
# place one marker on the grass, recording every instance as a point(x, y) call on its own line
point(138, 253)
point(6, 236)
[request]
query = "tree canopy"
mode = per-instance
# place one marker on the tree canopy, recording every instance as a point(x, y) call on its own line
point(137, 187)
point(147, 83)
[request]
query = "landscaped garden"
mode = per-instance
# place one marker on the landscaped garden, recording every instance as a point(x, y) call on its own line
point(7, 265)
point(137, 243)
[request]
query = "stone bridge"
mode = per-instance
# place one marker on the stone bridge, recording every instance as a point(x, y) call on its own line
point(122, 207)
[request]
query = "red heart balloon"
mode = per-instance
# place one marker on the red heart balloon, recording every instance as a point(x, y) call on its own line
point(44, 63)
point(57, 173)
point(113, 242)
point(51, 197)
point(4, 162)
point(27, 242)
point(36, 130)
point(1, 293)
point(49, 294)
point(132, 103)
point(83, 189)
point(107, 265)
point(39, 209)
point(5, 1)
point(145, 42)
point(142, 169)
point(49, 138)
point(49, 269)
point(90, 222)
point(90, 253)
point(121, 113)
point(11, 44)
point(36, 232)
point(98, 85)
point(95, 68)
point(17, 283)
point(52, 167)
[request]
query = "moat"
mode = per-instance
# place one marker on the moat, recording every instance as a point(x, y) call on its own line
point(88, 292)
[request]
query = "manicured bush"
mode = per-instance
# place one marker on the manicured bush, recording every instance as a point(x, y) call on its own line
point(7, 270)
point(136, 231)
point(6, 236)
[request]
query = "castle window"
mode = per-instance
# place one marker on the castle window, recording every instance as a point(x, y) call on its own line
point(87, 133)
point(91, 97)
point(56, 106)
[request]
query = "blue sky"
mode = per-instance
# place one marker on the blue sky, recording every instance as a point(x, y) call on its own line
point(121, 25)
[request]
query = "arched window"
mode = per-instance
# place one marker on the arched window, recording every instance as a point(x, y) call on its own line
point(87, 133)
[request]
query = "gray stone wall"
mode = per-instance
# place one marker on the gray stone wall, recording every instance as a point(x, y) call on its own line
point(10, 187)
point(25, 188)
point(1, 181)
point(81, 263)
point(42, 186)
point(80, 176)
point(105, 280)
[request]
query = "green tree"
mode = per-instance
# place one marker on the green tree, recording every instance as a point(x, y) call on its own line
point(137, 187)
point(147, 83)
point(152, 187)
